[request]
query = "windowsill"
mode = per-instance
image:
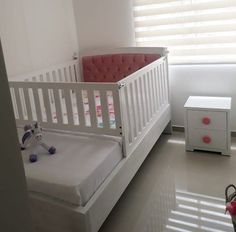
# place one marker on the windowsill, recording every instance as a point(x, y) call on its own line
point(186, 64)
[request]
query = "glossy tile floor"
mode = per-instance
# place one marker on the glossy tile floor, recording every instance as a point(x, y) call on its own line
point(176, 190)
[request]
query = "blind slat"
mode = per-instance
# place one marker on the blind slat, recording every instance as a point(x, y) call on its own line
point(206, 59)
point(186, 30)
point(203, 50)
point(183, 20)
point(186, 7)
point(149, 2)
point(193, 41)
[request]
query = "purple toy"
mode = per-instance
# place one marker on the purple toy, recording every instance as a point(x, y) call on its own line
point(33, 138)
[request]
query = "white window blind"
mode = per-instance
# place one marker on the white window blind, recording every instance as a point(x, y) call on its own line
point(195, 31)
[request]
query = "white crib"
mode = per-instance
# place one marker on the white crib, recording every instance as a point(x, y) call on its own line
point(136, 109)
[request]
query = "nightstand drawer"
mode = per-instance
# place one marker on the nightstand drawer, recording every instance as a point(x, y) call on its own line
point(207, 138)
point(207, 119)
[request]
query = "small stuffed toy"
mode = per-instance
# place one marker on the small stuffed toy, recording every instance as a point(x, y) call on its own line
point(33, 138)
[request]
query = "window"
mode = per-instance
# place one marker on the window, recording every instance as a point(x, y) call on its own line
point(195, 31)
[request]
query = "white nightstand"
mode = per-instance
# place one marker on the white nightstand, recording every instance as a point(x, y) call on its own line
point(207, 124)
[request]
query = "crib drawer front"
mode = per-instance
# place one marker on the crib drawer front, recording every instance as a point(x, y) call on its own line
point(207, 120)
point(209, 139)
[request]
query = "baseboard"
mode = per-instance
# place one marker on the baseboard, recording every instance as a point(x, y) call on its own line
point(181, 129)
point(178, 128)
point(233, 133)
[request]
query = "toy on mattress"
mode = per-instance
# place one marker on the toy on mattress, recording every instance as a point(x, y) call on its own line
point(32, 139)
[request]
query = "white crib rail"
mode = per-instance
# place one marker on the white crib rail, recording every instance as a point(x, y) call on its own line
point(128, 108)
point(66, 72)
point(81, 107)
point(144, 95)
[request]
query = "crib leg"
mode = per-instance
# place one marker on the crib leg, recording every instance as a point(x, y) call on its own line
point(168, 129)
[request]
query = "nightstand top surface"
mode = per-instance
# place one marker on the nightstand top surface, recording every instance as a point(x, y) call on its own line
point(201, 102)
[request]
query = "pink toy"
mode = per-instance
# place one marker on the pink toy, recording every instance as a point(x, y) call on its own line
point(230, 197)
point(231, 208)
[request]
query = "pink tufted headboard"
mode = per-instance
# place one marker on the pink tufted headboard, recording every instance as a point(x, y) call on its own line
point(112, 68)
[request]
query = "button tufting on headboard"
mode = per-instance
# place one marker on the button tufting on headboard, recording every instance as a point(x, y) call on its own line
point(112, 68)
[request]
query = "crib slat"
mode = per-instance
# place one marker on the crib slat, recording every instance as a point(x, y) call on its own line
point(19, 103)
point(47, 105)
point(146, 93)
point(116, 104)
point(133, 108)
point(160, 85)
point(137, 105)
point(69, 73)
point(48, 77)
point(58, 106)
point(92, 111)
point(163, 84)
point(155, 80)
point(130, 119)
point(13, 99)
point(158, 88)
point(150, 94)
point(66, 74)
point(52, 76)
point(153, 92)
point(76, 70)
point(27, 103)
point(44, 76)
point(80, 107)
point(144, 106)
point(72, 73)
point(147, 90)
point(63, 75)
point(166, 81)
point(69, 109)
point(104, 106)
point(37, 104)
point(59, 75)
point(142, 110)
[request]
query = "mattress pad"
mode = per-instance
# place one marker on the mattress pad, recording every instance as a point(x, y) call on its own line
point(75, 172)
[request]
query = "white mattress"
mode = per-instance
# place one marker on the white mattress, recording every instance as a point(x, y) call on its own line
point(76, 171)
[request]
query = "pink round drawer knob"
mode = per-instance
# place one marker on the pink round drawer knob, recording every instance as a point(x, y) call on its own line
point(206, 120)
point(206, 139)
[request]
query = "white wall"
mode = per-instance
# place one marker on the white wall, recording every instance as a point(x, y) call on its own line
point(208, 80)
point(104, 23)
point(36, 33)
